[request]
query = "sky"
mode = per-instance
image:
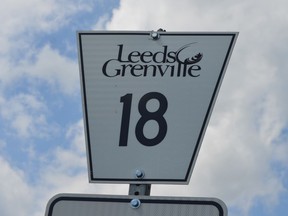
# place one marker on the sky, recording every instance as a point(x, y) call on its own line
point(243, 159)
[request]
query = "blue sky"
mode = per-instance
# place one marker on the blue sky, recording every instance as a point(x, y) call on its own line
point(243, 159)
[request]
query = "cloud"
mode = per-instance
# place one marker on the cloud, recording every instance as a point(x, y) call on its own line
point(51, 67)
point(26, 115)
point(24, 26)
point(102, 22)
point(14, 191)
point(44, 66)
point(22, 19)
point(197, 16)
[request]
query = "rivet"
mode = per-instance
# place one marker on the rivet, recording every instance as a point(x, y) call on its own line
point(135, 203)
point(155, 35)
point(139, 174)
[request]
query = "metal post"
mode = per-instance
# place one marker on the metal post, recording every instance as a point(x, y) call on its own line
point(140, 189)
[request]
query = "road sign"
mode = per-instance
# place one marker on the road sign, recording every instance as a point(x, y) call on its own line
point(147, 99)
point(95, 205)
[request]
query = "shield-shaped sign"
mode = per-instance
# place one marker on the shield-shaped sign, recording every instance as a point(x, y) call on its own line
point(147, 99)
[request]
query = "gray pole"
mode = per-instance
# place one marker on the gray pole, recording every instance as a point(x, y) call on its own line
point(140, 189)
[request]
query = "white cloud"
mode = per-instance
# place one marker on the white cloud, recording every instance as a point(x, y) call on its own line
point(22, 22)
point(102, 22)
point(6, 73)
point(26, 115)
point(44, 65)
point(21, 19)
point(75, 133)
point(14, 191)
point(197, 16)
point(59, 71)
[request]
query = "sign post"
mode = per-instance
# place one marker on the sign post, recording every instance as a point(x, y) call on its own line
point(147, 99)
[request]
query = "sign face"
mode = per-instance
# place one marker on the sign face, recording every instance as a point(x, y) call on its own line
point(147, 100)
point(94, 205)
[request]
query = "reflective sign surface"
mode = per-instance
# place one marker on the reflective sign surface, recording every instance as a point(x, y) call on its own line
point(147, 101)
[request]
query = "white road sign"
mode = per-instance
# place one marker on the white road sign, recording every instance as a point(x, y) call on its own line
point(147, 100)
point(95, 205)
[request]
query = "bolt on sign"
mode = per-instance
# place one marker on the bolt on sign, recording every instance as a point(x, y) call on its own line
point(147, 98)
point(96, 205)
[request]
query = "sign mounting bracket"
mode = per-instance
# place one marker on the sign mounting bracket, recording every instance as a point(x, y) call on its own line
point(139, 189)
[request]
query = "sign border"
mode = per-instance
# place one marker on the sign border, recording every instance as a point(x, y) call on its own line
point(219, 204)
point(186, 180)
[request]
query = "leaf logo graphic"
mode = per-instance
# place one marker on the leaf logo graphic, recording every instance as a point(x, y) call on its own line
point(194, 59)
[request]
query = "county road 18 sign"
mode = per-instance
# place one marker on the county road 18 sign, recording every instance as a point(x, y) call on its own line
point(147, 98)
point(95, 205)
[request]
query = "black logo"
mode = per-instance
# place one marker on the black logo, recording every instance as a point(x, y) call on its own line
point(154, 64)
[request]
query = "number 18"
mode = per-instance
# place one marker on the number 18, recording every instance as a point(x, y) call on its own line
point(146, 116)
